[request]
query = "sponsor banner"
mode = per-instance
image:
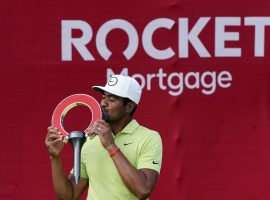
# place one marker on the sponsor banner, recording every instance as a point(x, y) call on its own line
point(203, 67)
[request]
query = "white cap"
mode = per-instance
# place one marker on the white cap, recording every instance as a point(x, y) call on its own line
point(122, 86)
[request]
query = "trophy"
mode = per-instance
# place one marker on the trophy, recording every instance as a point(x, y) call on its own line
point(76, 138)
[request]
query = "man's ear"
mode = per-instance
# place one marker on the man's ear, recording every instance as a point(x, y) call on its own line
point(130, 107)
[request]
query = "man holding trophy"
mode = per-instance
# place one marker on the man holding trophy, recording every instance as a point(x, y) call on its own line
point(120, 159)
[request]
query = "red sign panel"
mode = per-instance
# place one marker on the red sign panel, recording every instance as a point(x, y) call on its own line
point(203, 67)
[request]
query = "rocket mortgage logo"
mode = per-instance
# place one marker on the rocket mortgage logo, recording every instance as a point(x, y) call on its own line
point(176, 82)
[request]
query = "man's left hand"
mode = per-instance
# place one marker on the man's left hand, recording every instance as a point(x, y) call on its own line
point(104, 132)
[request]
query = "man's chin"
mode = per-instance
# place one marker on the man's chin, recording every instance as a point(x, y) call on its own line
point(105, 117)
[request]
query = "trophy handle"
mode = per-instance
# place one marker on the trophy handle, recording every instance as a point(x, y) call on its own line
point(76, 138)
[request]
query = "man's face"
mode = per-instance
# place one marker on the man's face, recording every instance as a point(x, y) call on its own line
point(112, 107)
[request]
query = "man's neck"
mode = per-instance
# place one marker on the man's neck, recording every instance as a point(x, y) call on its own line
point(118, 126)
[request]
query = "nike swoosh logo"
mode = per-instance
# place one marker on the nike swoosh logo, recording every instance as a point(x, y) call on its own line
point(128, 143)
point(155, 163)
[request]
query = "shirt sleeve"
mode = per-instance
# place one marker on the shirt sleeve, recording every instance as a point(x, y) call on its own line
point(83, 171)
point(151, 153)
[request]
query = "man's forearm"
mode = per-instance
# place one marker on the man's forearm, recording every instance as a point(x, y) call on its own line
point(62, 185)
point(134, 179)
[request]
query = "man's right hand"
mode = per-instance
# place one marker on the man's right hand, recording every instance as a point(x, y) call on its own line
point(54, 141)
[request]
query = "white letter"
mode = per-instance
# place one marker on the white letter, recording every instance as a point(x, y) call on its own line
point(148, 79)
point(147, 39)
point(227, 77)
point(211, 85)
point(160, 76)
point(141, 78)
point(221, 37)
point(197, 80)
point(79, 43)
point(111, 73)
point(114, 24)
point(178, 86)
point(259, 23)
point(192, 37)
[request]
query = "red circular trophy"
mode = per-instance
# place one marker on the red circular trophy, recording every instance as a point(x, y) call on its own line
point(76, 138)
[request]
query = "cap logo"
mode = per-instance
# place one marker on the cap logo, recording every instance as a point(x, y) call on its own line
point(113, 80)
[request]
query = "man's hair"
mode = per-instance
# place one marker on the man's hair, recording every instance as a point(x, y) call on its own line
point(126, 100)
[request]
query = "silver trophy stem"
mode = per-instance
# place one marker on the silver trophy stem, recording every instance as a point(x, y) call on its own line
point(77, 138)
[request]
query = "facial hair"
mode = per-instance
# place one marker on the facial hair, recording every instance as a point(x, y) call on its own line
point(105, 116)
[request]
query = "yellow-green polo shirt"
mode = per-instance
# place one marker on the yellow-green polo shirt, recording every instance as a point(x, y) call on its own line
point(141, 146)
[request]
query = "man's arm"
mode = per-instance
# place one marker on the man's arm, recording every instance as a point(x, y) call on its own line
point(141, 182)
point(65, 187)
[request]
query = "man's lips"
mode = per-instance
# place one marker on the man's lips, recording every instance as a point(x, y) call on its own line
point(103, 110)
point(105, 115)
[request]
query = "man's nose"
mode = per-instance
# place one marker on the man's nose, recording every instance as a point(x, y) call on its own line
point(103, 103)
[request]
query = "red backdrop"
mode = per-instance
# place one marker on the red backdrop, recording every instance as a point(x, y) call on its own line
point(207, 95)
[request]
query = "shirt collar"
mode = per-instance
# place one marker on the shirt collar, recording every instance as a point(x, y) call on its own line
point(130, 127)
